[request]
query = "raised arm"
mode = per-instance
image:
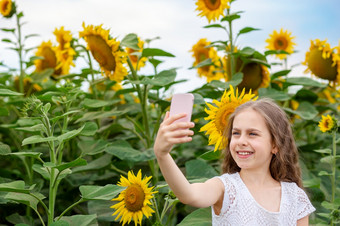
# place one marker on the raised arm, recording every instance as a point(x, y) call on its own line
point(197, 194)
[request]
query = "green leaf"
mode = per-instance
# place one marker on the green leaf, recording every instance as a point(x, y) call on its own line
point(35, 128)
point(96, 164)
point(305, 110)
point(247, 51)
point(324, 151)
point(4, 111)
point(27, 154)
point(69, 135)
point(60, 223)
point(324, 173)
point(327, 159)
point(247, 30)
point(329, 205)
point(203, 63)
point(102, 209)
point(17, 219)
point(279, 74)
point(77, 162)
point(151, 52)
point(55, 119)
point(37, 139)
point(106, 192)
point(25, 199)
point(232, 16)
point(162, 79)
point(93, 103)
point(211, 155)
point(131, 41)
point(304, 81)
point(200, 217)
point(83, 220)
point(42, 171)
point(6, 40)
point(8, 30)
point(273, 94)
point(90, 129)
point(198, 99)
point(100, 114)
point(7, 92)
point(4, 149)
point(15, 186)
point(214, 26)
point(92, 147)
point(312, 183)
point(124, 151)
point(40, 76)
point(199, 168)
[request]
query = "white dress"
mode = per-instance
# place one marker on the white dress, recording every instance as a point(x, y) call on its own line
point(240, 208)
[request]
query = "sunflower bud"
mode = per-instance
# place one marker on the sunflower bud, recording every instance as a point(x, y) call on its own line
point(7, 8)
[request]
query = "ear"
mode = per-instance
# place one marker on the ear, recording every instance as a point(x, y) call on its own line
point(274, 150)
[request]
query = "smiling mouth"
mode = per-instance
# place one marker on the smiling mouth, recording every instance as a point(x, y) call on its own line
point(244, 153)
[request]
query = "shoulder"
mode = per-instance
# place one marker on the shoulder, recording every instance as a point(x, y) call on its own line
point(227, 179)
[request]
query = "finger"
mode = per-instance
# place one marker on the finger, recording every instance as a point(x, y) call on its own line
point(180, 140)
point(173, 118)
point(181, 133)
point(181, 126)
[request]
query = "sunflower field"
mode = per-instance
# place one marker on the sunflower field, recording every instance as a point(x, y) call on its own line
point(76, 148)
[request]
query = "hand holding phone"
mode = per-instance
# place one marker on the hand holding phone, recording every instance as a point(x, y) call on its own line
point(182, 103)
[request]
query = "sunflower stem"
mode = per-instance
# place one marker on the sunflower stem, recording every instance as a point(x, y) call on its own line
point(156, 208)
point(70, 207)
point(334, 167)
point(20, 48)
point(232, 60)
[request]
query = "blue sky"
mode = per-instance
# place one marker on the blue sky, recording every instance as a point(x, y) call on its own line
point(177, 24)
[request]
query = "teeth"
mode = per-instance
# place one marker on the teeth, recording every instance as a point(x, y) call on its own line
point(244, 153)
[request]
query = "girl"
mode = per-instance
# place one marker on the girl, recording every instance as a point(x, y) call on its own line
point(261, 181)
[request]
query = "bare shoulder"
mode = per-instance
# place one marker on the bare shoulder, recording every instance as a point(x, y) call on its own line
point(303, 221)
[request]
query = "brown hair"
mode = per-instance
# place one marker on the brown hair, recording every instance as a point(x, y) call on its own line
point(284, 165)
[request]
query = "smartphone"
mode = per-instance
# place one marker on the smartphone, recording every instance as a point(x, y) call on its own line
point(182, 103)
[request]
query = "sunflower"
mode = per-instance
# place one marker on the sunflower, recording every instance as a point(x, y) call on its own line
point(201, 52)
point(255, 75)
point(212, 9)
point(106, 51)
point(29, 86)
point(219, 114)
point(322, 61)
point(135, 59)
point(7, 8)
point(281, 41)
point(49, 54)
point(65, 53)
point(134, 201)
point(327, 124)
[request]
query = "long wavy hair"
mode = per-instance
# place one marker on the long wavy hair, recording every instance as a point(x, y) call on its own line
point(284, 165)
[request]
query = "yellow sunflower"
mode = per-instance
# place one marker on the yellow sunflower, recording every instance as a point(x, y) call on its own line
point(106, 51)
point(201, 52)
point(212, 9)
point(65, 53)
point(255, 75)
point(322, 61)
point(49, 54)
point(7, 8)
point(281, 41)
point(219, 114)
point(327, 123)
point(135, 60)
point(134, 201)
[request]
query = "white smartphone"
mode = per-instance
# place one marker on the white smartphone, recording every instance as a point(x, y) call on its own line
point(182, 103)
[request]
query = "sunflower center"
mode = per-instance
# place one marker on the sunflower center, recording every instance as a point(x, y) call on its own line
point(252, 77)
point(326, 124)
point(50, 59)
point(321, 67)
point(212, 4)
point(5, 6)
point(222, 117)
point(281, 43)
point(134, 198)
point(102, 52)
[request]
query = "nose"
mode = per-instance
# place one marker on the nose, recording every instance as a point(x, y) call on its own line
point(242, 141)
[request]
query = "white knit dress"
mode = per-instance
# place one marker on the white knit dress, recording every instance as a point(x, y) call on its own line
point(240, 208)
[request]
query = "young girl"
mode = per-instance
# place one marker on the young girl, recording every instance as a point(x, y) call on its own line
point(261, 181)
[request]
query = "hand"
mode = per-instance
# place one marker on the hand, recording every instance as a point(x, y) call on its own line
point(170, 133)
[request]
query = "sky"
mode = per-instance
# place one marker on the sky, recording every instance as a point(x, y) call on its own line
point(179, 27)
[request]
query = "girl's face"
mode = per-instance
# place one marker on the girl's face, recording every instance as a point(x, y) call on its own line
point(250, 145)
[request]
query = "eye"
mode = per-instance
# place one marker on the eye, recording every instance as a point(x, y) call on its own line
point(253, 134)
point(235, 133)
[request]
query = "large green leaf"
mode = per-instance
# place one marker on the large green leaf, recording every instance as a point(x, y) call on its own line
point(4, 111)
point(92, 103)
point(273, 94)
point(25, 198)
point(37, 139)
point(211, 155)
point(8, 92)
point(200, 217)
point(100, 114)
point(151, 52)
point(15, 186)
point(35, 128)
point(131, 41)
point(18, 219)
point(4, 149)
point(83, 220)
point(77, 162)
point(42, 171)
point(247, 30)
point(162, 79)
point(92, 147)
point(90, 129)
point(102, 209)
point(124, 151)
point(198, 168)
point(69, 135)
point(304, 81)
point(60, 223)
point(232, 16)
point(96, 164)
point(107, 192)
point(27, 154)
point(305, 110)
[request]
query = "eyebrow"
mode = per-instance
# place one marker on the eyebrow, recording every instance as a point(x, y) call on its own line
point(248, 130)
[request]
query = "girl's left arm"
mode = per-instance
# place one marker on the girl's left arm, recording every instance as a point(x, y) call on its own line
point(303, 221)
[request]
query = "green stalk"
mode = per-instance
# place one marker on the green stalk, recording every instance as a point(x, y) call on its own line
point(232, 60)
point(334, 167)
point(21, 78)
point(70, 207)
